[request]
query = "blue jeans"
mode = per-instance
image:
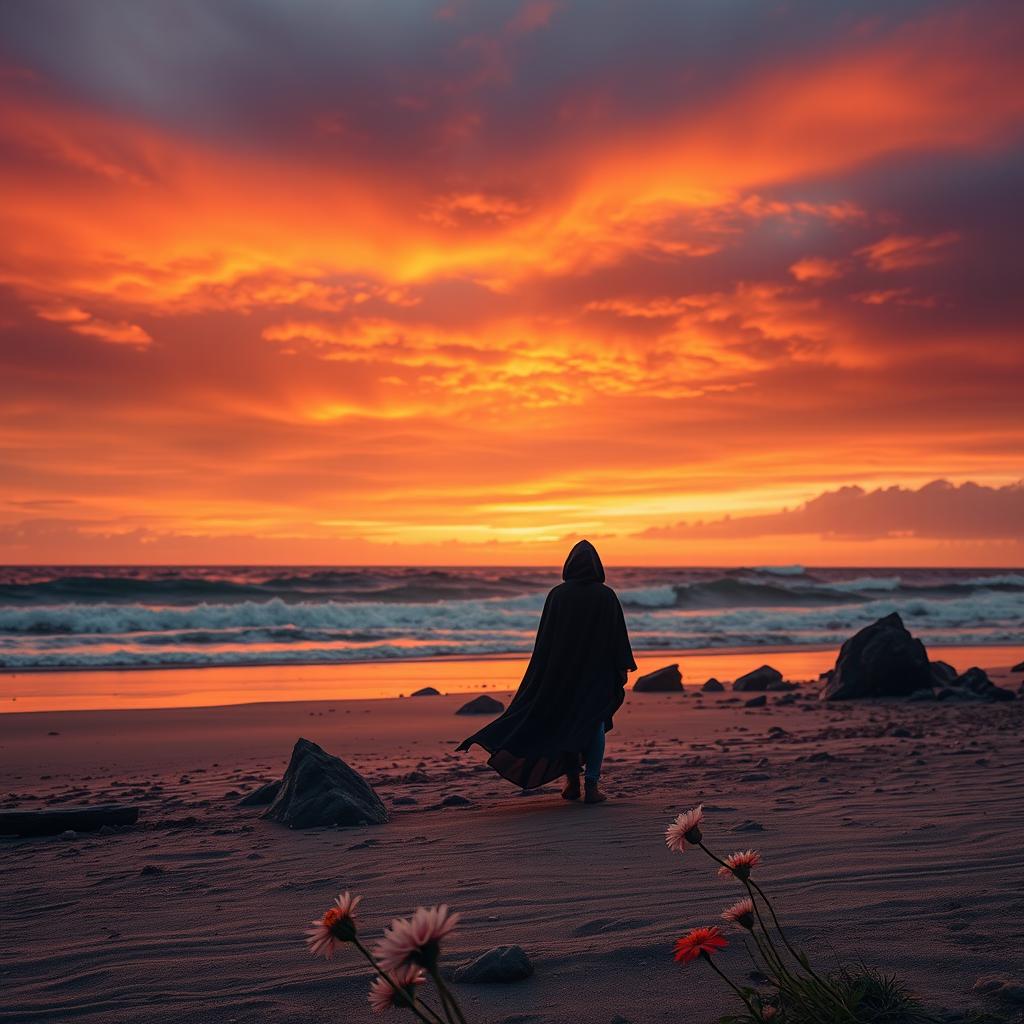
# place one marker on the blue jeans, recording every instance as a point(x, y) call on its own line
point(594, 755)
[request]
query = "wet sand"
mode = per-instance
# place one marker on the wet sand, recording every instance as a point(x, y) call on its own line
point(209, 687)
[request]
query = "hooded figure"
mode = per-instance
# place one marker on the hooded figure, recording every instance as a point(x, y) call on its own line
point(574, 684)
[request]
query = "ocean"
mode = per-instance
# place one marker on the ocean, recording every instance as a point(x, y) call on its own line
point(62, 618)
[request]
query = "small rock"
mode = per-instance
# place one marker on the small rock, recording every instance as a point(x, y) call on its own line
point(762, 678)
point(404, 801)
point(663, 680)
point(262, 795)
point(455, 800)
point(713, 686)
point(1003, 988)
point(151, 869)
point(499, 965)
point(426, 691)
point(482, 705)
point(756, 702)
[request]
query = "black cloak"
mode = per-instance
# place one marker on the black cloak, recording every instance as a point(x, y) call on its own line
point(574, 680)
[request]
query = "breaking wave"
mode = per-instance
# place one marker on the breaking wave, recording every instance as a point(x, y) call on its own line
point(107, 618)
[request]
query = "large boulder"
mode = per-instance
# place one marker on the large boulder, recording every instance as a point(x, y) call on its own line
point(882, 660)
point(713, 686)
point(501, 964)
point(52, 821)
point(760, 680)
point(662, 680)
point(482, 705)
point(319, 789)
point(1019, 667)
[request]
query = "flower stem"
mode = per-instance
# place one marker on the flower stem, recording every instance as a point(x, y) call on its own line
point(447, 997)
point(728, 982)
point(417, 1006)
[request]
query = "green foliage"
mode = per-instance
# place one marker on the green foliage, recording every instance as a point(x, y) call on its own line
point(858, 995)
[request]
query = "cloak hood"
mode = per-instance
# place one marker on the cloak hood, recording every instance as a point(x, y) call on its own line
point(583, 564)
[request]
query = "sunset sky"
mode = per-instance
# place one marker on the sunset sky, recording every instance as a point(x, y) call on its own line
point(393, 282)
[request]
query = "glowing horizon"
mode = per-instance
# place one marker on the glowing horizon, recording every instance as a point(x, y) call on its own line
point(297, 286)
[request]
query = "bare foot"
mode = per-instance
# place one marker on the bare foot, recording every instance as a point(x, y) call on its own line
point(572, 788)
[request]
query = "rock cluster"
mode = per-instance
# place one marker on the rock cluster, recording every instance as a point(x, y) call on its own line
point(974, 684)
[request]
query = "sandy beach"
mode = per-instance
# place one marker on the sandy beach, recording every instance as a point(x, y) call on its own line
point(888, 831)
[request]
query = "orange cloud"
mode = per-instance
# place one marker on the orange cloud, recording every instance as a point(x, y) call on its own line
point(816, 268)
point(482, 303)
point(902, 252)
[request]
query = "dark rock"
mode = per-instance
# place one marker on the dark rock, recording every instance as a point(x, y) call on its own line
point(1019, 667)
point(663, 680)
point(482, 705)
point(455, 800)
point(151, 869)
point(501, 964)
point(426, 691)
point(882, 660)
point(976, 681)
point(1003, 988)
point(404, 801)
point(942, 673)
point(319, 789)
point(261, 796)
point(922, 695)
point(52, 821)
point(760, 679)
point(713, 686)
point(756, 702)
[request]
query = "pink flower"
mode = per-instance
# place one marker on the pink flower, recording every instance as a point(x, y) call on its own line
point(336, 927)
point(685, 829)
point(415, 940)
point(739, 864)
point(741, 913)
point(383, 996)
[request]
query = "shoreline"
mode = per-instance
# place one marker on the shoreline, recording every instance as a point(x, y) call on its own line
point(25, 692)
